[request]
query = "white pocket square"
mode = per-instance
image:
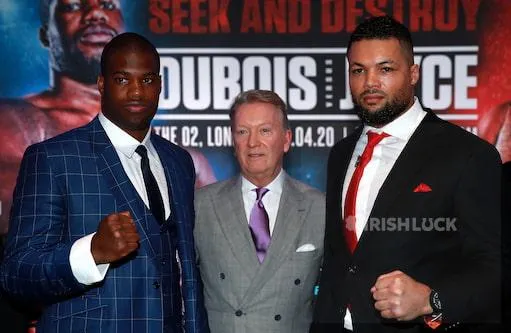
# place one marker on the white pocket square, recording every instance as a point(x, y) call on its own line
point(306, 248)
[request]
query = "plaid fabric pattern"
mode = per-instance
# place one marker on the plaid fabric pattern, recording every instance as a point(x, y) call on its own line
point(65, 187)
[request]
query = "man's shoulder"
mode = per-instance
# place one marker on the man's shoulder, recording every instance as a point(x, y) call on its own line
point(17, 110)
point(163, 143)
point(348, 141)
point(16, 105)
point(460, 139)
point(69, 141)
point(220, 186)
point(305, 189)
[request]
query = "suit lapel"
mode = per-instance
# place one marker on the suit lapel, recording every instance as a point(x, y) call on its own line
point(346, 153)
point(412, 159)
point(344, 157)
point(290, 218)
point(233, 222)
point(173, 185)
point(114, 175)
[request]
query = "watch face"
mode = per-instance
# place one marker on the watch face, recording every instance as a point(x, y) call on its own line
point(435, 301)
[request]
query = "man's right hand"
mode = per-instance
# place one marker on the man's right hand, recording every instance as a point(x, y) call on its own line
point(116, 238)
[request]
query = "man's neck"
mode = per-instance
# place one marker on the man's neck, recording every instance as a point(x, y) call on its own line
point(64, 84)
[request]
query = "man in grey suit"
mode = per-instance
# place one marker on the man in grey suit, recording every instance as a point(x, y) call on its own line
point(259, 236)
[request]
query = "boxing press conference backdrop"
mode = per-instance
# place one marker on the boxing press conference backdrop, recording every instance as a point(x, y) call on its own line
point(212, 50)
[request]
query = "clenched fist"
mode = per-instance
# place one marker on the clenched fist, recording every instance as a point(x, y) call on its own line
point(116, 238)
point(399, 296)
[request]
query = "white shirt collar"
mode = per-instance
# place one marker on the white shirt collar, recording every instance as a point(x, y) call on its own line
point(274, 187)
point(121, 140)
point(403, 126)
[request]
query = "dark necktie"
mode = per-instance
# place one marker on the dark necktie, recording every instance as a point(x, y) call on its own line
point(350, 202)
point(260, 225)
point(151, 186)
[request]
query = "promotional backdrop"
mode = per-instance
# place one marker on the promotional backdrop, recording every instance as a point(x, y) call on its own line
point(212, 50)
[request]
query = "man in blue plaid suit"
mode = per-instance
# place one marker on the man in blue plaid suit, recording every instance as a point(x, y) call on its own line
point(101, 240)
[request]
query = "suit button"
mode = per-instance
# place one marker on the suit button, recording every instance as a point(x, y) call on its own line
point(297, 281)
point(156, 284)
point(222, 276)
point(238, 313)
point(277, 317)
point(352, 269)
point(163, 262)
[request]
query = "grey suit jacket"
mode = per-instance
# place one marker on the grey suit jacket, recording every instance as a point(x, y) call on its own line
point(241, 295)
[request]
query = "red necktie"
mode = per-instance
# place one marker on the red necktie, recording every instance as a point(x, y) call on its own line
point(350, 202)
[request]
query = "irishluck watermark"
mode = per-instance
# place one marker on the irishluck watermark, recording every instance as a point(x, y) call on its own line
point(406, 224)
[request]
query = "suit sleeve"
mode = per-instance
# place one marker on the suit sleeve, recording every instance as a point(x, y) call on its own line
point(195, 316)
point(472, 295)
point(327, 317)
point(36, 265)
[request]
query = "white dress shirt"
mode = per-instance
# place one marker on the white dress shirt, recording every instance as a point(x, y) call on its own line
point(376, 171)
point(82, 263)
point(270, 200)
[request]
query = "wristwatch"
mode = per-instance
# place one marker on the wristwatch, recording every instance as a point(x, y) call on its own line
point(434, 302)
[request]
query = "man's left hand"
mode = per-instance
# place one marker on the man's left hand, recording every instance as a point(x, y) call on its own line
point(400, 297)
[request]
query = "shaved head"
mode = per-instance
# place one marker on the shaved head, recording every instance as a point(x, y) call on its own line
point(128, 41)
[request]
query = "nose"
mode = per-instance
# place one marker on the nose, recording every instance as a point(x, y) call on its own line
point(253, 139)
point(134, 90)
point(94, 13)
point(372, 79)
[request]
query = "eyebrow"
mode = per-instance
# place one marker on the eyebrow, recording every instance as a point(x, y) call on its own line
point(257, 125)
point(145, 74)
point(385, 62)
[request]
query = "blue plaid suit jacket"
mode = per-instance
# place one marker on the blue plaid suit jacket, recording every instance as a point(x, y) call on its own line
point(66, 186)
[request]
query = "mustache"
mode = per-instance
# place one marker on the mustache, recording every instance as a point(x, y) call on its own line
point(372, 92)
point(97, 29)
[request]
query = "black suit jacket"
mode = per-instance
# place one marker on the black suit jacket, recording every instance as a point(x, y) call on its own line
point(463, 264)
point(506, 244)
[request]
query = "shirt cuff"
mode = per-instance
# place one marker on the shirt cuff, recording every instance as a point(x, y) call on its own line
point(82, 263)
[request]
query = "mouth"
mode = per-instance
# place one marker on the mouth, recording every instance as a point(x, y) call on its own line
point(136, 107)
point(372, 98)
point(255, 155)
point(96, 35)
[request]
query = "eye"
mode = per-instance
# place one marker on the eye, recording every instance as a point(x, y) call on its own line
point(241, 131)
point(108, 5)
point(266, 130)
point(148, 80)
point(70, 7)
point(356, 71)
point(387, 69)
point(120, 80)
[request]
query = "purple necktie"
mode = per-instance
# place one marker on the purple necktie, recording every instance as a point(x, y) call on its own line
point(260, 225)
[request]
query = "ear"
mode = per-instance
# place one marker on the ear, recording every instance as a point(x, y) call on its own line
point(288, 138)
point(414, 74)
point(43, 35)
point(234, 144)
point(101, 84)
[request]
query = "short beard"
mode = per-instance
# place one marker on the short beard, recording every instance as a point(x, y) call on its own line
point(383, 116)
point(69, 60)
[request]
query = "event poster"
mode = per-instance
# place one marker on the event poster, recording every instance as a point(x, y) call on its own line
point(212, 50)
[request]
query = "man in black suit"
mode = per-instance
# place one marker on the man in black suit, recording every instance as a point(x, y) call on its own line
point(413, 206)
